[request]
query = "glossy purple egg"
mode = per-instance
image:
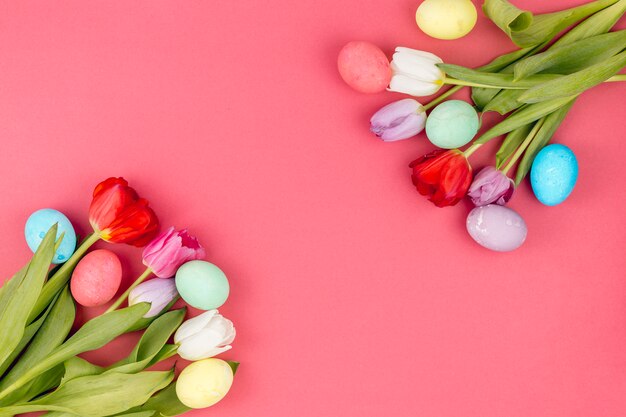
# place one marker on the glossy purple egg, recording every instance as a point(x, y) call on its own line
point(496, 227)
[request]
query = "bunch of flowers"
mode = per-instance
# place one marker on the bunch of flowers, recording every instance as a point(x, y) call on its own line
point(534, 86)
point(40, 369)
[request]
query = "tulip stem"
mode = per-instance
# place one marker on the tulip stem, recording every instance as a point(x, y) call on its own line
point(520, 150)
point(454, 81)
point(618, 77)
point(472, 149)
point(442, 97)
point(124, 296)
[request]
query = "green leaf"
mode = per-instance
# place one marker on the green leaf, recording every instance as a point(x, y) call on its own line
point(572, 57)
point(99, 395)
point(523, 116)
point(576, 83)
point(145, 322)
point(76, 367)
point(35, 387)
point(600, 22)
point(165, 402)
point(51, 334)
point(166, 352)
point(505, 101)
point(151, 343)
point(234, 366)
point(494, 79)
point(20, 297)
point(60, 278)
point(92, 335)
point(510, 144)
point(541, 139)
point(526, 29)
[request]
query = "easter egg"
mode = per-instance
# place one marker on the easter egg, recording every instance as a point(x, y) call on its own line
point(202, 285)
point(38, 225)
point(452, 124)
point(446, 19)
point(202, 384)
point(553, 174)
point(364, 67)
point(496, 227)
point(96, 278)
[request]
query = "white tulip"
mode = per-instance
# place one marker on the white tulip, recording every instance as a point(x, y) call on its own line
point(204, 336)
point(415, 72)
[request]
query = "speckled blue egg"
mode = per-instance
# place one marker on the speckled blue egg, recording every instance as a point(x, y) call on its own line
point(452, 124)
point(553, 174)
point(38, 225)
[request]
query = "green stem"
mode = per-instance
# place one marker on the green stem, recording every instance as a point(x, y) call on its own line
point(124, 296)
point(442, 97)
point(615, 78)
point(472, 149)
point(454, 81)
point(520, 150)
point(58, 280)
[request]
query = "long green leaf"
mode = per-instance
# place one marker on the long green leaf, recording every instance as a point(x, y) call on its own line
point(92, 335)
point(165, 402)
point(572, 57)
point(523, 116)
point(99, 395)
point(35, 387)
point(53, 332)
point(526, 29)
point(541, 139)
point(576, 83)
point(77, 367)
point(510, 144)
point(23, 294)
point(494, 80)
point(505, 101)
point(600, 22)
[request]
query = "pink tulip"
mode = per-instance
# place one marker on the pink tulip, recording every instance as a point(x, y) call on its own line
point(169, 250)
point(491, 186)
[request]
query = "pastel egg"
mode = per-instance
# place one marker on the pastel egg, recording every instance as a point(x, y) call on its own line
point(452, 124)
point(446, 19)
point(364, 67)
point(38, 225)
point(96, 278)
point(202, 384)
point(496, 227)
point(553, 174)
point(202, 285)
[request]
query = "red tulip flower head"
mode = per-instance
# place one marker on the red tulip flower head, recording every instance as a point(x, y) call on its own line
point(118, 215)
point(170, 250)
point(442, 175)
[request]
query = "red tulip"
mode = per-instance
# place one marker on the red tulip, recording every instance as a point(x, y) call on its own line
point(118, 215)
point(442, 175)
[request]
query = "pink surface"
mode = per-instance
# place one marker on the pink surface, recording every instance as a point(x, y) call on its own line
point(352, 295)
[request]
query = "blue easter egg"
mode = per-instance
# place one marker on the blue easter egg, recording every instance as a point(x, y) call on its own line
point(553, 174)
point(38, 225)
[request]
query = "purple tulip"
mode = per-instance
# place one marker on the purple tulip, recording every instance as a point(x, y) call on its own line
point(398, 120)
point(491, 186)
point(159, 292)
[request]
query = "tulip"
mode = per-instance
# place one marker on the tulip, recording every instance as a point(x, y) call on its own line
point(118, 215)
point(170, 250)
point(415, 72)
point(204, 336)
point(491, 186)
point(159, 292)
point(399, 120)
point(442, 175)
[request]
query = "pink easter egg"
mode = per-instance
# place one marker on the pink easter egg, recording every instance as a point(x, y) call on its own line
point(364, 67)
point(96, 278)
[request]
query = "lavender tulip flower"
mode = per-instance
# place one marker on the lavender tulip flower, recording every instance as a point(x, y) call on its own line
point(398, 120)
point(491, 186)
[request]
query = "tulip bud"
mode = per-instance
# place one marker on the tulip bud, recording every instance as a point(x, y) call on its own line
point(415, 72)
point(204, 336)
point(491, 186)
point(159, 292)
point(170, 250)
point(399, 120)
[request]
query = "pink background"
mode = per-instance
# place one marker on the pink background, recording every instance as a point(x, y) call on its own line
point(352, 295)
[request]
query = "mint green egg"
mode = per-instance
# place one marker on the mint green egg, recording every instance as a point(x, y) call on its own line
point(202, 285)
point(452, 124)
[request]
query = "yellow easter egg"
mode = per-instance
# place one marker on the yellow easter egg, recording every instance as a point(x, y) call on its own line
point(446, 19)
point(204, 383)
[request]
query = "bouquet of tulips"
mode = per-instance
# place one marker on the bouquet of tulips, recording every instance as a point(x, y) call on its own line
point(40, 369)
point(534, 86)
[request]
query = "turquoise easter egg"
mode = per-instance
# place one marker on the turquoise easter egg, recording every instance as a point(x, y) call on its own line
point(452, 124)
point(38, 225)
point(202, 285)
point(553, 174)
